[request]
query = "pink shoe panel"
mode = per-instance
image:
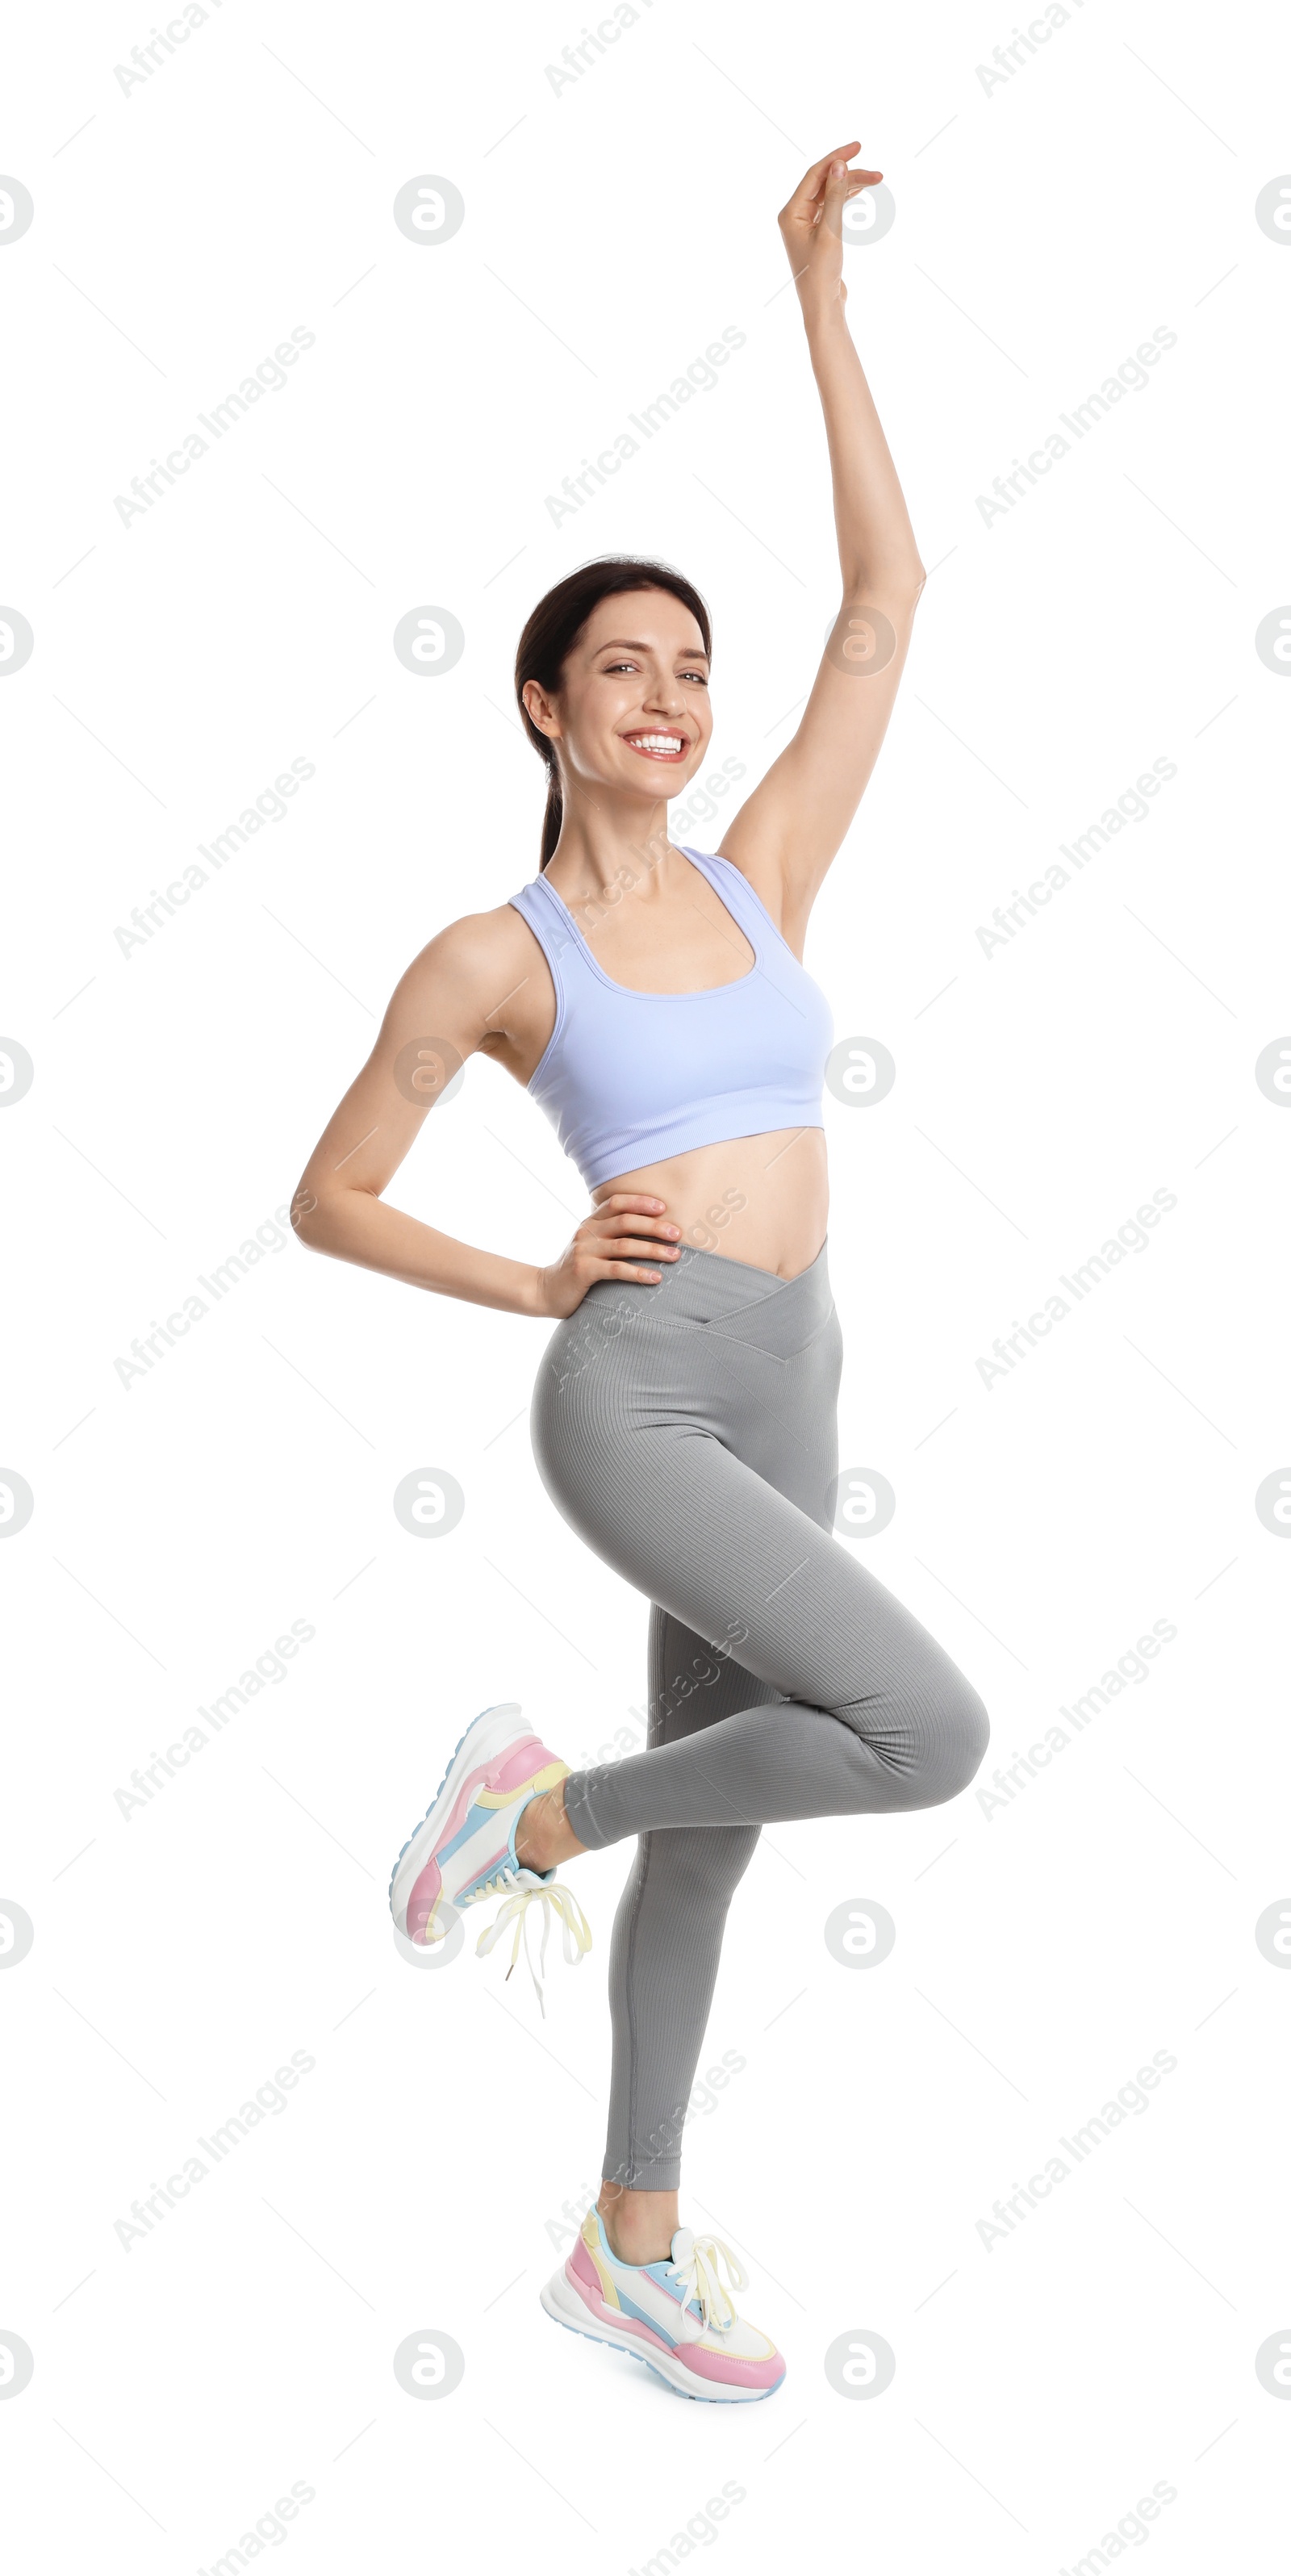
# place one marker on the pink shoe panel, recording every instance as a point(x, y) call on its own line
point(725, 2367)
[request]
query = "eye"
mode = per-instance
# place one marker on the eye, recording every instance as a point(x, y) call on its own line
point(700, 677)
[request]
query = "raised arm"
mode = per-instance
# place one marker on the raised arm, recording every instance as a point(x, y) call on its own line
point(787, 832)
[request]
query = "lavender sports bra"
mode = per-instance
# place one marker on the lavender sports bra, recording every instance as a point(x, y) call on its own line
point(627, 1078)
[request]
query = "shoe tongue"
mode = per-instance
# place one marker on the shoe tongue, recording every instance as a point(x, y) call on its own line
point(683, 2245)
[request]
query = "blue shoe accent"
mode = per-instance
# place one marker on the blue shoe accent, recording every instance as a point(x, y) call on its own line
point(511, 1867)
point(690, 2395)
point(484, 1712)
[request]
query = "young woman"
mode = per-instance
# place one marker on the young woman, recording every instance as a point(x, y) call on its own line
point(654, 1003)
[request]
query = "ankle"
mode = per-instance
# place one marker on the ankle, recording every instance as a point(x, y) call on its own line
point(544, 1835)
point(533, 1833)
point(639, 2225)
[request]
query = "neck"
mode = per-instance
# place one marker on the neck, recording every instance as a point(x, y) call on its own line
point(608, 845)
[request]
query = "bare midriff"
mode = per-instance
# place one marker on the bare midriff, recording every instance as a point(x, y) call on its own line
point(759, 1199)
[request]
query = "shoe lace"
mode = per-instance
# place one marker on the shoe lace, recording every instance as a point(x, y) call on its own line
point(494, 1886)
point(556, 1901)
point(700, 2274)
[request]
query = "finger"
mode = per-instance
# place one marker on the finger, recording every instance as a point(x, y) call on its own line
point(629, 1247)
point(819, 169)
point(840, 181)
point(833, 197)
point(610, 1269)
point(810, 186)
point(639, 1225)
point(626, 1200)
point(838, 185)
point(629, 1222)
point(839, 192)
point(626, 1247)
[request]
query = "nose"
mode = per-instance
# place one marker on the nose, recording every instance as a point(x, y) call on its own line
point(665, 697)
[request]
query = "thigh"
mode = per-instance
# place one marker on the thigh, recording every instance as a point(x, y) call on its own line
point(699, 1466)
point(780, 1417)
point(788, 1436)
point(692, 1683)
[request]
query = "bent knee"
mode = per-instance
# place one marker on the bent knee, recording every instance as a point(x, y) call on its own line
point(933, 1741)
point(962, 1733)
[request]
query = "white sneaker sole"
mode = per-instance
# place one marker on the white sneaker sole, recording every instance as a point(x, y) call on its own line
point(565, 2305)
point(488, 1733)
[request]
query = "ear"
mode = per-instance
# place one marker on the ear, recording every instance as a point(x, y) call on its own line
point(539, 709)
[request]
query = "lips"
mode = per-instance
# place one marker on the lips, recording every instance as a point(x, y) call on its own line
point(658, 742)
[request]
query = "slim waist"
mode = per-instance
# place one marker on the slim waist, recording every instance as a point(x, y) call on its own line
point(707, 1288)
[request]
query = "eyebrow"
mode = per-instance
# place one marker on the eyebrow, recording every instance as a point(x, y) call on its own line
point(689, 652)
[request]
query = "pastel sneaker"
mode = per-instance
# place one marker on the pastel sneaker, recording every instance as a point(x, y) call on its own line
point(465, 1849)
point(677, 2317)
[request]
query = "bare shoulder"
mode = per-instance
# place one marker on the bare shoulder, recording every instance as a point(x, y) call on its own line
point(484, 984)
point(479, 954)
point(478, 940)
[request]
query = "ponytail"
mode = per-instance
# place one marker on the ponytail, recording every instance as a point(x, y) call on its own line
point(555, 809)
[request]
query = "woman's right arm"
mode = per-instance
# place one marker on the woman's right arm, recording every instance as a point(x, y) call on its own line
point(471, 990)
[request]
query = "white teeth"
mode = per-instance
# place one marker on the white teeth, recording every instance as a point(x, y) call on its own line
point(656, 741)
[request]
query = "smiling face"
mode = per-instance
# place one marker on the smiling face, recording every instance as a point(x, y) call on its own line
point(632, 711)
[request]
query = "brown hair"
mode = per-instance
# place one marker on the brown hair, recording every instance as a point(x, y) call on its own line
point(552, 630)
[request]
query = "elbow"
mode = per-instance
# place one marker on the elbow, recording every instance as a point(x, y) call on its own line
point(305, 1213)
point(895, 584)
point(326, 1223)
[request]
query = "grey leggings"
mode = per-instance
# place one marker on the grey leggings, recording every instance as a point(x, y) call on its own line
point(688, 1433)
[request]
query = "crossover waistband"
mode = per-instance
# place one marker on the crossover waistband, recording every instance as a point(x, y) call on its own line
point(707, 1288)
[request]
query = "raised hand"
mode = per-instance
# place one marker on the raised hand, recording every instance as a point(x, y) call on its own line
point(811, 226)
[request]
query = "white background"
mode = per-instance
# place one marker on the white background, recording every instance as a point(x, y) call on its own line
point(1045, 227)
